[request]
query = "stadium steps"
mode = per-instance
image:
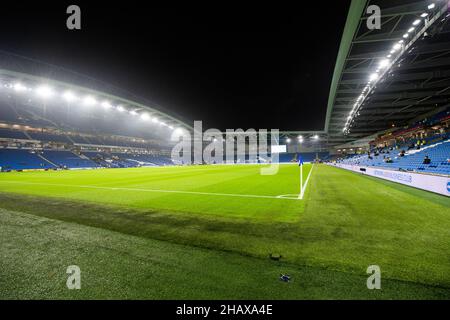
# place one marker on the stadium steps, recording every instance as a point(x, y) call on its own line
point(69, 138)
point(45, 159)
point(82, 156)
point(28, 135)
point(412, 152)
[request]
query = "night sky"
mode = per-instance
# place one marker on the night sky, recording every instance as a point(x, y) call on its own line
point(259, 66)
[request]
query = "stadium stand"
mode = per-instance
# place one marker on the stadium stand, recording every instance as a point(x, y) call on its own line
point(12, 159)
point(409, 157)
point(67, 159)
point(306, 156)
point(44, 136)
point(12, 134)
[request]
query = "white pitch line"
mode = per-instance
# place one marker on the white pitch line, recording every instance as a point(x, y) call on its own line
point(149, 190)
point(300, 196)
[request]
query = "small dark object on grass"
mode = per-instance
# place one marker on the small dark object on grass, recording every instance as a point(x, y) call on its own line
point(275, 257)
point(285, 277)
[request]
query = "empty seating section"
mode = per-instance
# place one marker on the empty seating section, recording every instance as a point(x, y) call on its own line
point(16, 159)
point(147, 159)
point(12, 134)
point(68, 159)
point(45, 136)
point(126, 160)
point(306, 156)
point(77, 139)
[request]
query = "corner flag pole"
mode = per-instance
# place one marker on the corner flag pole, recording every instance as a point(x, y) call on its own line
point(300, 163)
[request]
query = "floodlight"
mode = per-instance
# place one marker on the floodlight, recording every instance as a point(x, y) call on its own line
point(316, 137)
point(155, 120)
point(178, 131)
point(106, 105)
point(133, 113)
point(406, 35)
point(373, 76)
point(69, 96)
point(19, 87)
point(416, 22)
point(89, 101)
point(384, 63)
point(431, 6)
point(300, 137)
point(145, 116)
point(423, 15)
point(120, 109)
point(288, 140)
point(411, 29)
point(44, 91)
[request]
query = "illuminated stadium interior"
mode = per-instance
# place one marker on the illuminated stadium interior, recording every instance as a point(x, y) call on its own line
point(88, 178)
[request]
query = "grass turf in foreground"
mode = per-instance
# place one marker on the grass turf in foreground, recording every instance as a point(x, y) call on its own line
point(36, 251)
point(349, 222)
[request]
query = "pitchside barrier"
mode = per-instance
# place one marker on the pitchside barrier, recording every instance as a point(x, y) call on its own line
point(436, 184)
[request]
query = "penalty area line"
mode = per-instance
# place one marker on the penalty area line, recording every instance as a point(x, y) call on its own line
point(149, 190)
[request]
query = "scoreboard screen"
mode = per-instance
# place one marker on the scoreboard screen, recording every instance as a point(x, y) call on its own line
point(279, 149)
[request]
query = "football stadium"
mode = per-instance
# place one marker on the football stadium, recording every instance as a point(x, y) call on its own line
point(92, 179)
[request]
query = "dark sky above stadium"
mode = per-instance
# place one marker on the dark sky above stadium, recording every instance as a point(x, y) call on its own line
point(264, 65)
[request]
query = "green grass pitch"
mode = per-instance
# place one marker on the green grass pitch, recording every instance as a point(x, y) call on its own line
point(206, 232)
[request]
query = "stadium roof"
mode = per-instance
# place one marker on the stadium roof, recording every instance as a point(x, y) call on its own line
point(81, 87)
point(389, 77)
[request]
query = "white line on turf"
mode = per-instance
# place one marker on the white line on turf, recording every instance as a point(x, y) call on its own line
point(300, 196)
point(151, 190)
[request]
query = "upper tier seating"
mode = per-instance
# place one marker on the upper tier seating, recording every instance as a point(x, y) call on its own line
point(44, 136)
point(12, 134)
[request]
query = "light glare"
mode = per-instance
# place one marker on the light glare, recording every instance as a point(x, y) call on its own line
point(44, 91)
point(384, 63)
point(19, 87)
point(69, 96)
point(89, 101)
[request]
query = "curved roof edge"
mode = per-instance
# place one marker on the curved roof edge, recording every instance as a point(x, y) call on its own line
point(354, 15)
point(24, 76)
